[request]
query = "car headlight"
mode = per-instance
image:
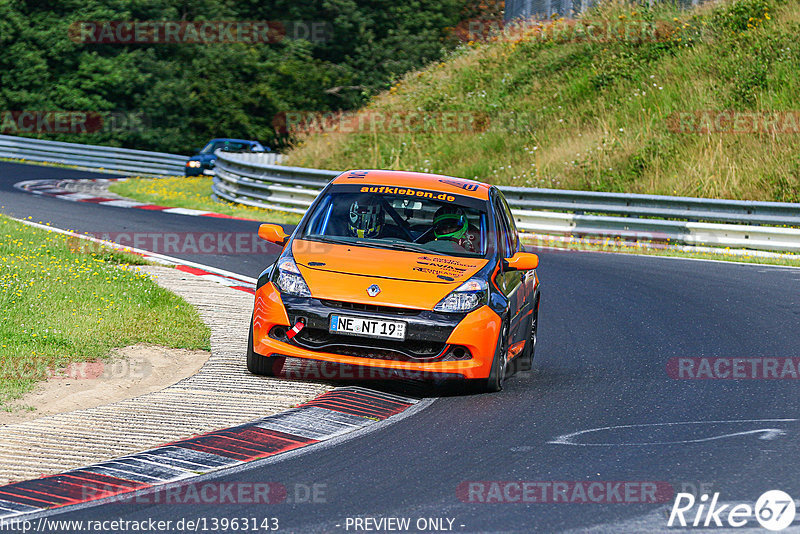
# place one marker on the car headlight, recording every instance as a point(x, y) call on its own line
point(290, 280)
point(465, 297)
point(192, 163)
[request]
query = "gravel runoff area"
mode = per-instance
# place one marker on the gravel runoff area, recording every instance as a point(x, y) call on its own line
point(220, 395)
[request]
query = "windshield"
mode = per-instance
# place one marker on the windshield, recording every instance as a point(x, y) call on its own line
point(228, 146)
point(395, 221)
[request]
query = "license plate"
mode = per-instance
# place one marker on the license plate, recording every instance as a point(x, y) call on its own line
point(360, 326)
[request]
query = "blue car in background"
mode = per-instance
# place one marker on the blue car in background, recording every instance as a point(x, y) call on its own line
point(203, 162)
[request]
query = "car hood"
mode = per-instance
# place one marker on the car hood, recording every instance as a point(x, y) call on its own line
point(406, 279)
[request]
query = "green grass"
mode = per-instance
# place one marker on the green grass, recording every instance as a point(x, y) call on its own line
point(600, 116)
point(59, 304)
point(194, 193)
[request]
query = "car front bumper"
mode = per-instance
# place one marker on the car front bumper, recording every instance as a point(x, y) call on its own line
point(437, 345)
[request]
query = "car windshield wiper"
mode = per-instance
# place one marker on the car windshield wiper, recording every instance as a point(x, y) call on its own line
point(408, 246)
point(340, 241)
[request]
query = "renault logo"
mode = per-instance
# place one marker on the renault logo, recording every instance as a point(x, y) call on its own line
point(373, 290)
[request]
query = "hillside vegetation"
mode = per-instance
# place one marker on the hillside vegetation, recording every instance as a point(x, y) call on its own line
point(554, 109)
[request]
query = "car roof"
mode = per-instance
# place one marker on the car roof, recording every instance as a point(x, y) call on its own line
point(231, 139)
point(422, 180)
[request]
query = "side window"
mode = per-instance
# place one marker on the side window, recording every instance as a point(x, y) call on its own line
point(319, 221)
point(502, 227)
point(512, 227)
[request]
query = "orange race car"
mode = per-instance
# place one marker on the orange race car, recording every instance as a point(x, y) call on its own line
point(404, 274)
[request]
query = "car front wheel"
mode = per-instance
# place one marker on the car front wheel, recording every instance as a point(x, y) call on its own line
point(524, 362)
point(499, 369)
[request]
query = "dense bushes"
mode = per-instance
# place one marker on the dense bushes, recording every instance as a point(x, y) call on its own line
point(187, 93)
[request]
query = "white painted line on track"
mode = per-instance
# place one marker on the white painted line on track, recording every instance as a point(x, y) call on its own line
point(75, 197)
point(122, 203)
point(766, 433)
point(185, 211)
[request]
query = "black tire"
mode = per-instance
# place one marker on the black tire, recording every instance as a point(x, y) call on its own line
point(262, 365)
point(499, 365)
point(524, 362)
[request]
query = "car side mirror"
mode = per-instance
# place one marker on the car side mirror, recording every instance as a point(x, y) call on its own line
point(273, 233)
point(522, 261)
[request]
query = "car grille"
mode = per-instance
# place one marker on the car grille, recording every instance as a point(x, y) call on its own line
point(352, 306)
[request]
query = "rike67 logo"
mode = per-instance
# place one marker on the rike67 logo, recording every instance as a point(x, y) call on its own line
point(774, 510)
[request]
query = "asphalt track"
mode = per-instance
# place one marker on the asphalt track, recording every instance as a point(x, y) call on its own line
point(609, 325)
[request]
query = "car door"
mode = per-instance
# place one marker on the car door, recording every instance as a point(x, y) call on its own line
point(510, 282)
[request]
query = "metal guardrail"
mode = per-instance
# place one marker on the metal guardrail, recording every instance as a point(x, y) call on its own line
point(681, 220)
point(291, 189)
point(92, 156)
point(266, 158)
